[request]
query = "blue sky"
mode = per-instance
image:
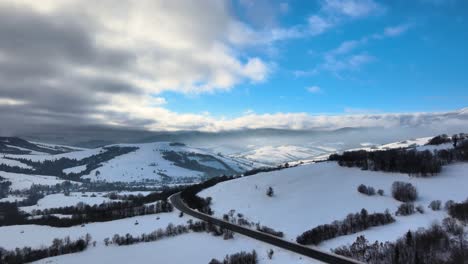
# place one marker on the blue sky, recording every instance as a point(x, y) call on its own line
point(423, 67)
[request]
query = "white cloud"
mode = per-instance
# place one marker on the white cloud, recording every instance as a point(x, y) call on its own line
point(318, 24)
point(396, 31)
point(353, 8)
point(314, 89)
point(11, 102)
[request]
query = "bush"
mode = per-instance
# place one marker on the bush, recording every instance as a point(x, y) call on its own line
point(420, 209)
point(380, 192)
point(405, 209)
point(435, 205)
point(404, 192)
point(270, 192)
point(448, 204)
point(269, 230)
point(367, 190)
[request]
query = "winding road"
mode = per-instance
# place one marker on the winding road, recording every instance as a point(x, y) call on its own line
point(314, 253)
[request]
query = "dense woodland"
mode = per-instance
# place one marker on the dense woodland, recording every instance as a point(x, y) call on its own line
point(352, 224)
point(4, 187)
point(411, 161)
point(438, 244)
point(458, 211)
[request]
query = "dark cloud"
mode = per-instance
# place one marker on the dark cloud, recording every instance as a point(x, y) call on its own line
point(39, 55)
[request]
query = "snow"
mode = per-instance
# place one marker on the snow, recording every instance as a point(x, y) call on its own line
point(60, 200)
point(12, 199)
point(29, 151)
point(36, 236)
point(76, 169)
point(147, 162)
point(186, 248)
point(274, 155)
point(13, 163)
point(71, 155)
point(310, 195)
point(25, 181)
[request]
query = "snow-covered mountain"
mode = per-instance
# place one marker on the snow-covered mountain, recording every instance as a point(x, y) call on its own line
point(319, 193)
point(163, 162)
point(14, 145)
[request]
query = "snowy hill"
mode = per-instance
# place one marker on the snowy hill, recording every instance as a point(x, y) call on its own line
point(13, 145)
point(315, 194)
point(274, 155)
point(162, 162)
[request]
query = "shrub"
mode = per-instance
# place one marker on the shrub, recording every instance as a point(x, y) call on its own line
point(367, 190)
point(404, 192)
point(448, 204)
point(269, 230)
point(435, 205)
point(270, 192)
point(405, 209)
point(380, 192)
point(420, 209)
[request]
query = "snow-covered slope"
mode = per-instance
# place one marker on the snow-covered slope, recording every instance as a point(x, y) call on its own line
point(311, 195)
point(25, 181)
point(162, 161)
point(196, 248)
point(13, 145)
point(165, 162)
point(274, 155)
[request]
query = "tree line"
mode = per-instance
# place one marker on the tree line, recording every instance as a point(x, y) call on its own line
point(459, 210)
point(238, 258)
point(353, 223)
point(170, 231)
point(410, 161)
point(58, 247)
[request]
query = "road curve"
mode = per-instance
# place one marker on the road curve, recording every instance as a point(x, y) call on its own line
point(326, 257)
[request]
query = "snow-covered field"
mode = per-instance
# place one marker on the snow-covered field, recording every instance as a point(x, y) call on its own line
point(274, 155)
point(12, 199)
point(186, 248)
point(196, 248)
point(311, 195)
point(60, 200)
point(25, 181)
point(36, 236)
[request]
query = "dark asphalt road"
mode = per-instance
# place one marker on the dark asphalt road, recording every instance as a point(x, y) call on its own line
point(299, 249)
